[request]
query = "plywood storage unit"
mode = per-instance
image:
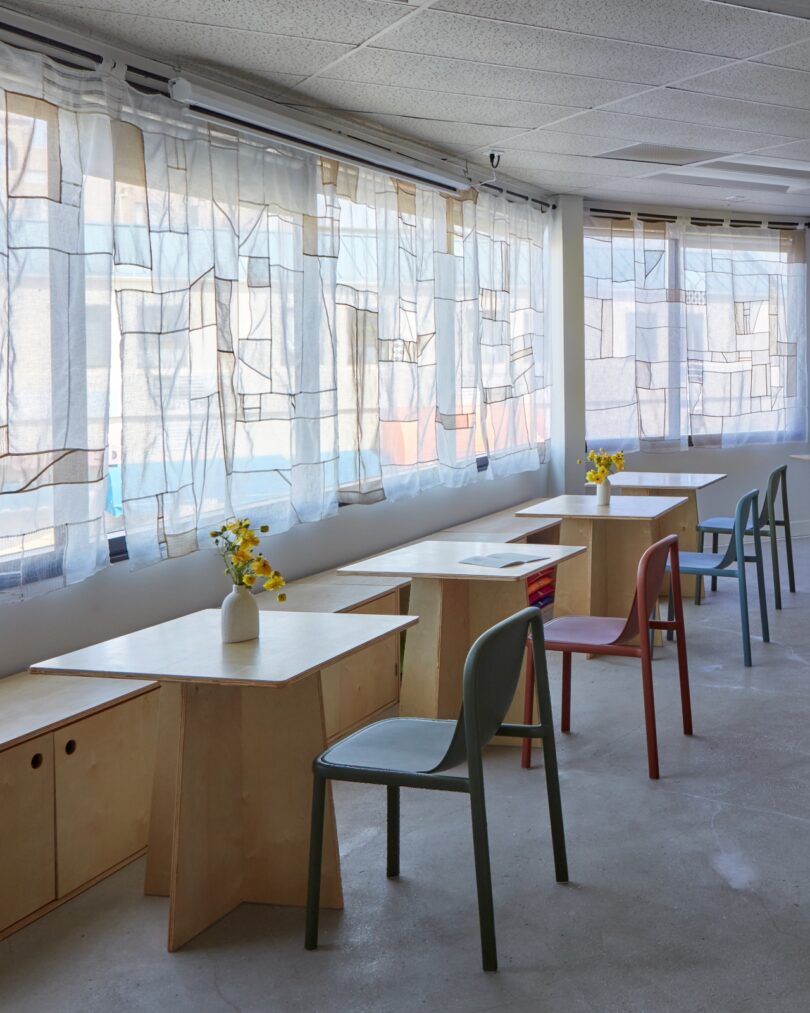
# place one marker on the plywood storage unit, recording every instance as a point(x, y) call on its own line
point(76, 767)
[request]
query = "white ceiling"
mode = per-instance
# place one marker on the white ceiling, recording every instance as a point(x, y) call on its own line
point(553, 85)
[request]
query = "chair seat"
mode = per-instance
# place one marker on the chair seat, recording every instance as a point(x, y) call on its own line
point(583, 631)
point(699, 562)
point(722, 526)
point(406, 745)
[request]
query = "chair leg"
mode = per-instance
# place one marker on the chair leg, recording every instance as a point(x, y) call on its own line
point(683, 667)
point(315, 858)
point(763, 601)
point(746, 633)
point(528, 706)
point(698, 580)
point(555, 808)
point(671, 609)
point(777, 590)
point(715, 546)
point(483, 880)
point(649, 711)
point(392, 865)
point(788, 539)
point(565, 716)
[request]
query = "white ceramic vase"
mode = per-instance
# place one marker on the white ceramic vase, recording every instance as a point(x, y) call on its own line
point(603, 493)
point(240, 616)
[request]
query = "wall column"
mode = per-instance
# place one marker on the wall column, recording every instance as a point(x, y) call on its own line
point(566, 328)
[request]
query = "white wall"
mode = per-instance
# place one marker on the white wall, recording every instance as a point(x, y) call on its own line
point(119, 600)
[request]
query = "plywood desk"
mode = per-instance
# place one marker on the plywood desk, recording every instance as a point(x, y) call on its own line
point(601, 582)
point(455, 603)
point(683, 520)
point(233, 824)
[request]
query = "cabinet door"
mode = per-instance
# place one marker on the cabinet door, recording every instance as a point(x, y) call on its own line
point(355, 690)
point(104, 766)
point(27, 873)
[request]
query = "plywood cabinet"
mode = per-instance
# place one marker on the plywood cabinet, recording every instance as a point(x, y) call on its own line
point(76, 762)
point(27, 846)
point(104, 767)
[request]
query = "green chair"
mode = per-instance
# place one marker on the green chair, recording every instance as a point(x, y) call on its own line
point(721, 564)
point(768, 523)
point(424, 753)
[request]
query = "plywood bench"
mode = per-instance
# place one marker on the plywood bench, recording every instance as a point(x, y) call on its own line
point(76, 766)
point(503, 525)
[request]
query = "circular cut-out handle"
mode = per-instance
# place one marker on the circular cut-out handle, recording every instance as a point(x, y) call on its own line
point(70, 747)
point(36, 760)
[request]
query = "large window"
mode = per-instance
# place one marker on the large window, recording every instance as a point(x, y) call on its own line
point(200, 325)
point(694, 335)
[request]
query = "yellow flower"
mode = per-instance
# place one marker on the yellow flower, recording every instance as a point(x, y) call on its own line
point(592, 476)
point(276, 581)
point(281, 597)
point(579, 460)
point(242, 556)
point(249, 539)
point(262, 568)
point(249, 579)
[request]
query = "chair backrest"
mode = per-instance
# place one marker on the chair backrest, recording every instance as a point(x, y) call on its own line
point(491, 674)
point(649, 577)
point(775, 479)
point(745, 514)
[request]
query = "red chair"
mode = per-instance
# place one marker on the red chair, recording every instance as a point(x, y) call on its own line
point(630, 638)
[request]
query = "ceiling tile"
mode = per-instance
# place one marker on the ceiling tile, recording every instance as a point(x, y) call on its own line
point(371, 65)
point(455, 137)
point(694, 25)
point(551, 140)
point(794, 8)
point(515, 161)
point(621, 127)
point(799, 150)
point(796, 57)
point(691, 107)
point(440, 34)
point(179, 43)
point(371, 100)
point(757, 83)
point(349, 21)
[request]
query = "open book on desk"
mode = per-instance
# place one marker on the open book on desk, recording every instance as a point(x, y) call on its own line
point(499, 560)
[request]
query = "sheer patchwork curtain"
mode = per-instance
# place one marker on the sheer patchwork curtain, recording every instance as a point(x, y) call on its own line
point(694, 334)
point(276, 333)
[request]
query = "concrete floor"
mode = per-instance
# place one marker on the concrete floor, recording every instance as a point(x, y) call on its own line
point(689, 894)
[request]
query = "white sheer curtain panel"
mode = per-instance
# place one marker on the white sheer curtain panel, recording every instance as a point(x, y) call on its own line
point(694, 334)
point(201, 325)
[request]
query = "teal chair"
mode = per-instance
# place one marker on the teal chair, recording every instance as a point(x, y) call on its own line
point(722, 564)
point(425, 753)
point(768, 523)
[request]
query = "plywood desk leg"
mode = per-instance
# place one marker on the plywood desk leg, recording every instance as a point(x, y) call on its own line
point(581, 581)
point(206, 874)
point(282, 733)
point(435, 648)
point(164, 787)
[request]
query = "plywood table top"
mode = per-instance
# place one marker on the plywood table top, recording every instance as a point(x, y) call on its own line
point(623, 508)
point(442, 560)
point(800, 457)
point(675, 481)
point(290, 647)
